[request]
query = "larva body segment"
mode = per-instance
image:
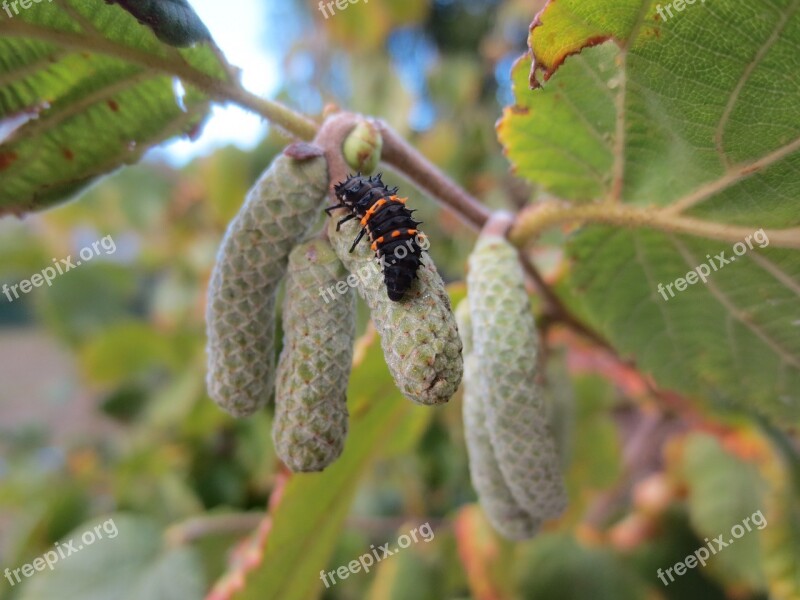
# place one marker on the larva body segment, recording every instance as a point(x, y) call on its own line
point(419, 336)
point(310, 424)
point(388, 225)
point(240, 315)
point(497, 501)
point(505, 342)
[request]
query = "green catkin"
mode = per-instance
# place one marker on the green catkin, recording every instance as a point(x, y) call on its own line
point(278, 212)
point(505, 343)
point(419, 336)
point(310, 424)
point(502, 511)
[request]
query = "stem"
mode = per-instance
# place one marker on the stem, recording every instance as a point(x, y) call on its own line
point(409, 162)
point(191, 530)
point(499, 224)
point(217, 89)
point(331, 138)
point(534, 220)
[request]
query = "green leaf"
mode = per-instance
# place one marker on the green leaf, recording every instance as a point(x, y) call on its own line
point(696, 115)
point(782, 546)
point(781, 535)
point(125, 351)
point(723, 492)
point(733, 341)
point(86, 89)
point(557, 566)
point(127, 561)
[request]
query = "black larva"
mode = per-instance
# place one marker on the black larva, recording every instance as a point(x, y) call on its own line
point(387, 223)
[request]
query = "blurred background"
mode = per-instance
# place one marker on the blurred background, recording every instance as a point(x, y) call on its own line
point(103, 406)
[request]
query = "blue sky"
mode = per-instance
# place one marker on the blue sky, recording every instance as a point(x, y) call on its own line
point(239, 28)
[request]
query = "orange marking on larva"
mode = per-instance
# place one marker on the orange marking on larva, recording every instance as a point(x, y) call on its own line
point(371, 211)
point(396, 199)
point(396, 233)
point(374, 246)
point(412, 231)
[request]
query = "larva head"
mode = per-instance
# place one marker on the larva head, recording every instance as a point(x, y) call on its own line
point(358, 193)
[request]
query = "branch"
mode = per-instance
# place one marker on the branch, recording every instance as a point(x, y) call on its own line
point(219, 90)
point(197, 528)
point(534, 220)
point(396, 151)
point(331, 138)
point(406, 159)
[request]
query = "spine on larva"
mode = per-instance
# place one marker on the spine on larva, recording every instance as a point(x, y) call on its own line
point(240, 315)
point(310, 424)
point(419, 336)
point(505, 343)
point(496, 499)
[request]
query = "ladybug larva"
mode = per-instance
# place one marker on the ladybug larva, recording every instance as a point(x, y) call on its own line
point(389, 226)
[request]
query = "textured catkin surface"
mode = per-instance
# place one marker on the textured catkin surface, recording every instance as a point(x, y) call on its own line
point(503, 512)
point(418, 334)
point(240, 315)
point(505, 342)
point(310, 424)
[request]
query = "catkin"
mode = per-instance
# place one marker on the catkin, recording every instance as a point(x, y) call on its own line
point(502, 511)
point(240, 314)
point(419, 336)
point(505, 343)
point(310, 424)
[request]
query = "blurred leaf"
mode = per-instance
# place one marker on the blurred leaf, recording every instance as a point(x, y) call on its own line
point(485, 557)
point(405, 576)
point(75, 308)
point(556, 566)
point(723, 491)
point(364, 25)
point(673, 545)
point(596, 452)
point(781, 534)
point(87, 89)
point(125, 404)
point(125, 351)
point(131, 565)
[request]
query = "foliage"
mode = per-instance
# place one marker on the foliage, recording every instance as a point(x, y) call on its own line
point(646, 144)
